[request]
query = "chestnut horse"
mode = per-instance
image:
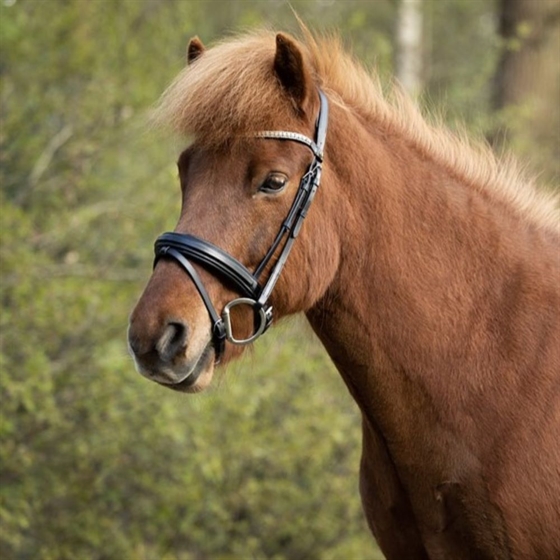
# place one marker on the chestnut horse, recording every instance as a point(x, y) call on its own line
point(428, 268)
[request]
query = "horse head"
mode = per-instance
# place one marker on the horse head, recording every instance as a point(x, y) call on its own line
point(259, 124)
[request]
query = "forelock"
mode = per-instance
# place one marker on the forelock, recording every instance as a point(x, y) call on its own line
point(230, 90)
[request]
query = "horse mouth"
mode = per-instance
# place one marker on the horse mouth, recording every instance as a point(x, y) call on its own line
point(186, 377)
point(202, 369)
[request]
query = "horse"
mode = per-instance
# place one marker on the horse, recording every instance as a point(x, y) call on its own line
point(427, 266)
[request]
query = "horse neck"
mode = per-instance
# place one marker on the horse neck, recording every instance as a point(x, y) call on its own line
point(432, 273)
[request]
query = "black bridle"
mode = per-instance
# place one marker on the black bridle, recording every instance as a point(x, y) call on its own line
point(185, 248)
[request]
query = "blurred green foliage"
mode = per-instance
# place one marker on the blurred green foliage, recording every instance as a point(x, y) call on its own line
point(96, 462)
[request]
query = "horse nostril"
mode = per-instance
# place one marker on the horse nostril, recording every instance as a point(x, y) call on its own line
point(134, 342)
point(172, 341)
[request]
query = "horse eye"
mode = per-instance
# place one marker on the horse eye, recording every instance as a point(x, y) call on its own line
point(274, 183)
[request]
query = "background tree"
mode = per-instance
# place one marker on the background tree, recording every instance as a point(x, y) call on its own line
point(409, 55)
point(526, 87)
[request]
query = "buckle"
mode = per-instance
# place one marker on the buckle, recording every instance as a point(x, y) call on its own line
point(258, 310)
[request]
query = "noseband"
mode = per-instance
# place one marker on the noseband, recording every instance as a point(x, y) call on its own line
point(185, 248)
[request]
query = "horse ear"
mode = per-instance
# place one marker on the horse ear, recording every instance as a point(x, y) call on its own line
point(194, 50)
point(291, 70)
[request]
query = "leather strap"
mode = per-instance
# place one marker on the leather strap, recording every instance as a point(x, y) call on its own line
point(212, 257)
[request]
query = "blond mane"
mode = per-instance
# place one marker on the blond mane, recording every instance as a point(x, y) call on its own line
point(231, 91)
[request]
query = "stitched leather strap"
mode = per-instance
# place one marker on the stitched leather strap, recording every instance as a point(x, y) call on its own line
point(213, 258)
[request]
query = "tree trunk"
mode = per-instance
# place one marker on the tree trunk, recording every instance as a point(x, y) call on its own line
point(409, 45)
point(526, 88)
